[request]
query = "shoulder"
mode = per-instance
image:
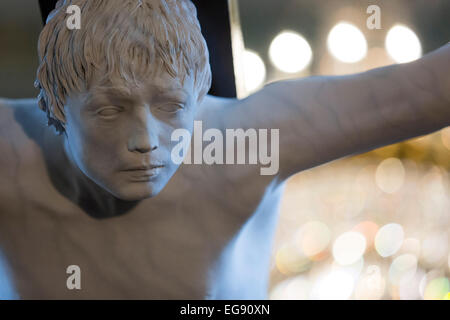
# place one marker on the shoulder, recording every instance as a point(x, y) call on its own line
point(255, 111)
point(21, 129)
point(231, 117)
point(20, 116)
point(214, 111)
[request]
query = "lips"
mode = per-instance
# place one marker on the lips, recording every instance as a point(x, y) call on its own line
point(144, 173)
point(145, 167)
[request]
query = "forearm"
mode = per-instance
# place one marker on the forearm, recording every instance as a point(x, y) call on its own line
point(414, 97)
point(387, 105)
point(324, 118)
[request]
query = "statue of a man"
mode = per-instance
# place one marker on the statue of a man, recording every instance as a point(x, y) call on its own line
point(99, 188)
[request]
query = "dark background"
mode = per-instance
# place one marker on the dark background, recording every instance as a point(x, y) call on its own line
point(20, 24)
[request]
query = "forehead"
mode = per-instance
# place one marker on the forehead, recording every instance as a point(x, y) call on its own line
point(157, 80)
point(157, 84)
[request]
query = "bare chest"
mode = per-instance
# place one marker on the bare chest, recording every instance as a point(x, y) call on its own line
point(192, 241)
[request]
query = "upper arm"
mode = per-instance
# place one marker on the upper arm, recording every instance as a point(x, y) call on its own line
point(6, 117)
point(21, 127)
point(6, 143)
point(324, 118)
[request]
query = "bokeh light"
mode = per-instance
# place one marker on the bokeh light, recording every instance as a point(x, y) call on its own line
point(402, 44)
point(437, 289)
point(396, 198)
point(347, 43)
point(389, 239)
point(368, 229)
point(409, 286)
point(254, 71)
point(371, 285)
point(434, 248)
point(313, 238)
point(290, 52)
point(448, 262)
point(390, 175)
point(349, 247)
point(410, 245)
point(445, 136)
point(290, 260)
point(297, 288)
point(353, 269)
point(336, 285)
point(321, 216)
point(402, 269)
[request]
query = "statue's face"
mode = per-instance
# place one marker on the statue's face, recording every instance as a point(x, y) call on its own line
point(122, 140)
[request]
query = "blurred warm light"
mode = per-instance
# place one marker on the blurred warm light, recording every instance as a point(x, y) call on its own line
point(409, 287)
point(313, 238)
point(371, 285)
point(434, 248)
point(324, 202)
point(445, 136)
point(365, 195)
point(254, 71)
point(337, 285)
point(410, 245)
point(402, 44)
point(279, 292)
point(389, 239)
point(434, 196)
point(377, 57)
point(402, 269)
point(353, 269)
point(349, 247)
point(297, 288)
point(290, 260)
point(448, 262)
point(368, 229)
point(347, 43)
point(390, 175)
point(290, 52)
point(437, 289)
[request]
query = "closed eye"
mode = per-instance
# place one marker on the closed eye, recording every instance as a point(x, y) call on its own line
point(171, 107)
point(108, 111)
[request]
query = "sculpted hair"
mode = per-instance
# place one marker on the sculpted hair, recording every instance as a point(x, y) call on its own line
point(129, 39)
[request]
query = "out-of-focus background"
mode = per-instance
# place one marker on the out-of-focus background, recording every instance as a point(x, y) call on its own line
point(20, 25)
point(374, 226)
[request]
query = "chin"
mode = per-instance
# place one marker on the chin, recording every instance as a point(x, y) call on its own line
point(137, 192)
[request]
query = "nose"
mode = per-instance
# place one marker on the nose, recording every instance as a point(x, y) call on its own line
point(143, 137)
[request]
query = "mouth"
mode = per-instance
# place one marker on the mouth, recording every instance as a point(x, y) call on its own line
point(144, 173)
point(145, 167)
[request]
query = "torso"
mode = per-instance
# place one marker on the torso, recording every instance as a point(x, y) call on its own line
point(208, 234)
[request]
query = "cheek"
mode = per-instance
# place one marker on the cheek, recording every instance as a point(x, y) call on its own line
point(92, 148)
point(185, 122)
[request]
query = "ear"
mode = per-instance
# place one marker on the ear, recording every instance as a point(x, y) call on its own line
point(59, 126)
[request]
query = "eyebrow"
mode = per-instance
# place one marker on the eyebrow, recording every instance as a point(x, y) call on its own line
point(109, 95)
point(170, 93)
point(114, 91)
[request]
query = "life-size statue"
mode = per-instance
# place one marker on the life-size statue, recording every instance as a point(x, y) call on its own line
point(98, 188)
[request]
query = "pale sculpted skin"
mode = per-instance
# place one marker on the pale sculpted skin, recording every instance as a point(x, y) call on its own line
point(200, 231)
point(120, 137)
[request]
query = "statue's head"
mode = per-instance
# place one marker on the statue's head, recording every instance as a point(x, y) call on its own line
point(117, 87)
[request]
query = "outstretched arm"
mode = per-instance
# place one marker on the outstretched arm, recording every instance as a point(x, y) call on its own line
point(325, 118)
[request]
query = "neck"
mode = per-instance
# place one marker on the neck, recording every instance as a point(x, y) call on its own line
point(72, 183)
